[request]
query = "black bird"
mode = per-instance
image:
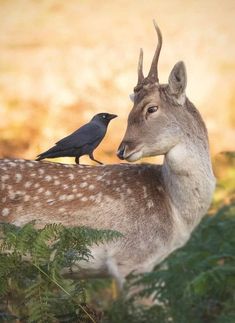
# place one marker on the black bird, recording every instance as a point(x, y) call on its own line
point(82, 141)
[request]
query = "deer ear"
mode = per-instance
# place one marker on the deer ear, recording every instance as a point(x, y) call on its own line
point(132, 97)
point(178, 79)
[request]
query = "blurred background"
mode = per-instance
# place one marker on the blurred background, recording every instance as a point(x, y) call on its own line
point(63, 61)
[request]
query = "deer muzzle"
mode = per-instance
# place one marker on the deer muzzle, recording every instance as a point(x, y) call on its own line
point(121, 151)
point(126, 151)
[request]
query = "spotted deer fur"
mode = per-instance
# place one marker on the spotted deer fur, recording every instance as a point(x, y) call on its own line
point(155, 207)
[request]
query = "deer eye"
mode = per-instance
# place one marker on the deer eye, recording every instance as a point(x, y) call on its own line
point(152, 109)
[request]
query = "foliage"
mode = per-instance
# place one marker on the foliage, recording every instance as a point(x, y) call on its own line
point(31, 286)
point(195, 284)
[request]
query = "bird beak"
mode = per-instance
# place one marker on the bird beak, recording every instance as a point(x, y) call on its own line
point(112, 116)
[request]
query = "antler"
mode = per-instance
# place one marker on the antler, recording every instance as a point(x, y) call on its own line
point(140, 68)
point(153, 72)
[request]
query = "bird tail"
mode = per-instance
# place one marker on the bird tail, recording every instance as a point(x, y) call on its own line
point(39, 157)
point(50, 153)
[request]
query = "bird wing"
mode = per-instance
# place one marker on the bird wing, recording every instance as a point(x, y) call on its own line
point(87, 134)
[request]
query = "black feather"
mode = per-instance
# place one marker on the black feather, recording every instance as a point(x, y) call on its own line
point(82, 141)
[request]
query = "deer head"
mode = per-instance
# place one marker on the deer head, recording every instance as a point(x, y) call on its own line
point(155, 122)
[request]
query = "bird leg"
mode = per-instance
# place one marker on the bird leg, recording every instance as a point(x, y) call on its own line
point(77, 160)
point(92, 158)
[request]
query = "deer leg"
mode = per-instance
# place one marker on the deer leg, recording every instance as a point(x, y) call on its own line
point(77, 160)
point(92, 158)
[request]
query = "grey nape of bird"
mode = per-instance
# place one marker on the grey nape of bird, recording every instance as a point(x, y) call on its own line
point(82, 141)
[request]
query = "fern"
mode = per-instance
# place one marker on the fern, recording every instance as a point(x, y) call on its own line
point(31, 261)
point(195, 284)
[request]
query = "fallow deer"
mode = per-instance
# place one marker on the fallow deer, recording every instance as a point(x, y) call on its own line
point(155, 207)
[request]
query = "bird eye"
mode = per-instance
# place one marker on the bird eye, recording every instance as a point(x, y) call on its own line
point(152, 109)
point(104, 116)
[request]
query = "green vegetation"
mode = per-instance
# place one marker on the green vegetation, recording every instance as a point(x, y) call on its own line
point(34, 291)
point(195, 284)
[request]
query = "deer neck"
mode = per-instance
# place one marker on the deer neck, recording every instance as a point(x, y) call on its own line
point(189, 181)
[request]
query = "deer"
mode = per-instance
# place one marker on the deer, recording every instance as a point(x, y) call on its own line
point(155, 206)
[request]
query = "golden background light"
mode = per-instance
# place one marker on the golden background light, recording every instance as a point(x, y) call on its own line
point(63, 61)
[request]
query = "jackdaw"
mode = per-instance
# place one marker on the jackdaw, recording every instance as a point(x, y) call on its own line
point(82, 141)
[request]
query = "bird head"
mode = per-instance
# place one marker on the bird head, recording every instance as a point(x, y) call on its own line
point(104, 117)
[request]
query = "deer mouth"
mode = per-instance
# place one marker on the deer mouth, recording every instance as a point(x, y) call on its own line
point(134, 156)
point(124, 152)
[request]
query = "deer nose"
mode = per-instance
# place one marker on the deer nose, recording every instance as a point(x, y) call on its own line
point(121, 150)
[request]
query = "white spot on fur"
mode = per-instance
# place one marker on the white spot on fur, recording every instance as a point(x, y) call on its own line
point(129, 191)
point(4, 177)
point(70, 197)
point(38, 204)
point(30, 164)
point(40, 190)
point(84, 199)
point(48, 193)
point(150, 204)
point(145, 192)
point(36, 185)
point(84, 184)
point(62, 209)
point(41, 171)
point(35, 198)
point(48, 178)
point(5, 211)
point(91, 187)
point(65, 186)
point(18, 177)
point(71, 176)
point(26, 198)
point(12, 195)
point(74, 190)
point(33, 174)
point(28, 184)
point(56, 182)
point(98, 178)
point(79, 195)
